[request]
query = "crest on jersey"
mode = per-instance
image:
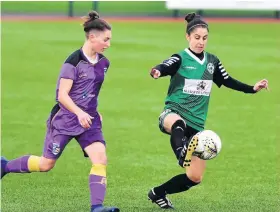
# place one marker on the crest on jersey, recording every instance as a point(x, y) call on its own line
point(56, 148)
point(210, 68)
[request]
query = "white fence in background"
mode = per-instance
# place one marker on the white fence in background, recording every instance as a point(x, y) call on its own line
point(224, 4)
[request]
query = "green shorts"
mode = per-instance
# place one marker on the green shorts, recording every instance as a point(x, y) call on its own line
point(162, 117)
point(191, 131)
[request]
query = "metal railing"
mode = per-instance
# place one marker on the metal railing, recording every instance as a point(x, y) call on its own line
point(71, 7)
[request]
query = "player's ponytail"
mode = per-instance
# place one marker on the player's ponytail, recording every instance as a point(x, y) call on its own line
point(93, 15)
point(194, 21)
point(93, 22)
point(189, 17)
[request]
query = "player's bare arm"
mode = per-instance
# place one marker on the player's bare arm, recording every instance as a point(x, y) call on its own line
point(65, 86)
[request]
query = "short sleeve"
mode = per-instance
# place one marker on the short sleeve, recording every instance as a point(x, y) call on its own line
point(68, 71)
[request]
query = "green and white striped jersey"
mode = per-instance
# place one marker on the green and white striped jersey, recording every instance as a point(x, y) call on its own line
point(191, 84)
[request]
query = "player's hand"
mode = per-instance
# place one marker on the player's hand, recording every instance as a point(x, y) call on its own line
point(155, 73)
point(84, 119)
point(261, 85)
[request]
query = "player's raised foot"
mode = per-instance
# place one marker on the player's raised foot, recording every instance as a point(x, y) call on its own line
point(105, 209)
point(4, 162)
point(187, 152)
point(162, 201)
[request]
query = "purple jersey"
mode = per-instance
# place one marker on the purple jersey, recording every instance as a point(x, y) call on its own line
point(87, 81)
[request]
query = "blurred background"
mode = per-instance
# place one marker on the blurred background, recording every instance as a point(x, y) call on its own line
point(171, 8)
point(245, 177)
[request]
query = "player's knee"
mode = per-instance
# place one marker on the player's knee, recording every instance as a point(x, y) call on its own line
point(46, 166)
point(170, 120)
point(100, 158)
point(103, 160)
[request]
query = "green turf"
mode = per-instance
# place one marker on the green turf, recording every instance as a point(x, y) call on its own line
point(83, 7)
point(245, 177)
point(156, 8)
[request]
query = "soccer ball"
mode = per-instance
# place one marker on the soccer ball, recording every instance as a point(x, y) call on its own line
point(209, 145)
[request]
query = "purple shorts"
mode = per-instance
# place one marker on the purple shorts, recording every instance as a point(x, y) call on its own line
point(56, 139)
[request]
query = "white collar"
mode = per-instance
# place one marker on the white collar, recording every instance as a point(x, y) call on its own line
point(201, 62)
point(93, 61)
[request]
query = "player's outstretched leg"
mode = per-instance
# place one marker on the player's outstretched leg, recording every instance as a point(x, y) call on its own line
point(26, 164)
point(23, 164)
point(162, 201)
point(187, 151)
point(105, 209)
point(4, 162)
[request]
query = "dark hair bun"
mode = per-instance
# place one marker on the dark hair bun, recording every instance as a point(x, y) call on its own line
point(93, 15)
point(190, 16)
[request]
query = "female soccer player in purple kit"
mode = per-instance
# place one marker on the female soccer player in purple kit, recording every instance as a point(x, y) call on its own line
point(75, 115)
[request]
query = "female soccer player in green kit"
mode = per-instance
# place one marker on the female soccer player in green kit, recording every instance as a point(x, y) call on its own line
point(192, 72)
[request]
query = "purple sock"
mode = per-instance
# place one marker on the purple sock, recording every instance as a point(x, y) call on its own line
point(97, 185)
point(19, 165)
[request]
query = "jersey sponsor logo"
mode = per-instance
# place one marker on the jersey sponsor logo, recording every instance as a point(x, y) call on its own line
point(85, 95)
point(198, 87)
point(56, 148)
point(91, 95)
point(201, 86)
point(210, 68)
